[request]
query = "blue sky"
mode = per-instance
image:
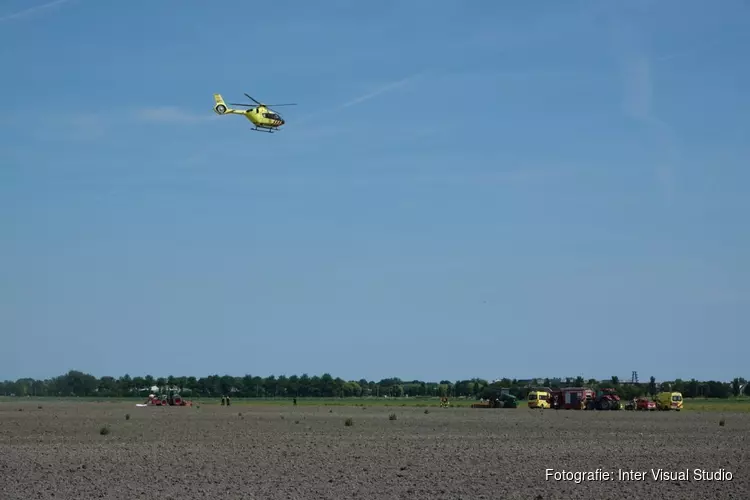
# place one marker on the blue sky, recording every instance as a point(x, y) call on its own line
point(462, 188)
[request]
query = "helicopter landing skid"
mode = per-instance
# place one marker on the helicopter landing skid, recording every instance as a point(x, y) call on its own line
point(267, 130)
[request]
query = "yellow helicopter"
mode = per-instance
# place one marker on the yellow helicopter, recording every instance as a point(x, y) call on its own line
point(263, 117)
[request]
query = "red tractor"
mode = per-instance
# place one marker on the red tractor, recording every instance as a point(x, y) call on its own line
point(605, 399)
point(154, 400)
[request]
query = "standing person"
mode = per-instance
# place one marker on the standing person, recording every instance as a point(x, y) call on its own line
point(223, 400)
point(228, 401)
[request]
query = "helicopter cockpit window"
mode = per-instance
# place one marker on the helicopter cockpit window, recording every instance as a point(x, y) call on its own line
point(272, 116)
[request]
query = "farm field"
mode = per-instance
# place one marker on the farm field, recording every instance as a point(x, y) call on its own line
point(55, 449)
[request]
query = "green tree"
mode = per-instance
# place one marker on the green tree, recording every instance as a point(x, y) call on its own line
point(337, 387)
point(125, 385)
point(192, 384)
point(149, 381)
point(107, 386)
point(326, 385)
point(283, 386)
point(139, 384)
point(736, 385)
point(304, 385)
point(181, 383)
point(679, 385)
point(294, 386)
point(226, 384)
point(270, 385)
point(24, 386)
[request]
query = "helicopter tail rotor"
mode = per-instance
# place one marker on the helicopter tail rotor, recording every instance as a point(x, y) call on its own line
point(220, 107)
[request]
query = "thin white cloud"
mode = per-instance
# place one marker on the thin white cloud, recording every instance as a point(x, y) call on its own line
point(61, 127)
point(382, 90)
point(638, 87)
point(389, 87)
point(516, 176)
point(638, 99)
point(521, 176)
point(171, 114)
point(32, 10)
point(700, 47)
point(87, 127)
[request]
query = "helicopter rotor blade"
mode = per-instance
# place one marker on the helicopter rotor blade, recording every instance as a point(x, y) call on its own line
point(240, 104)
point(250, 97)
point(275, 105)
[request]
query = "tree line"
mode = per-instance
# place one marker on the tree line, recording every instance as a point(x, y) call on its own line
point(77, 383)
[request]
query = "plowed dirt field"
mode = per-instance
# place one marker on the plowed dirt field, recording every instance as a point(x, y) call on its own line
point(270, 452)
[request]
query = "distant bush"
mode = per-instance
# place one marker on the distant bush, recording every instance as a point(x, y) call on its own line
point(392, 416)
point(127, 416)
point(104, 431)
point(348, 422)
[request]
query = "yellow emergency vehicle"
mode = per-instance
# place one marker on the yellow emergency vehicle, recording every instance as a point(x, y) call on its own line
point(539, 399)
point(666, 401)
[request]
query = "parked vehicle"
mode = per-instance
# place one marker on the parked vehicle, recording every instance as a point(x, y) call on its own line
point(571, 398)
point(497, 398)
point(605, 399)
point(666, 401)
point(645, 404)
point(539, 399)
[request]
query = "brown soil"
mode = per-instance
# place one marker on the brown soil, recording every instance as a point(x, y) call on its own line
point(307, 452)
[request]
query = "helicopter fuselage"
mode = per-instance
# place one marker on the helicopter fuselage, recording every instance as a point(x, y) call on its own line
point(262, 117)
